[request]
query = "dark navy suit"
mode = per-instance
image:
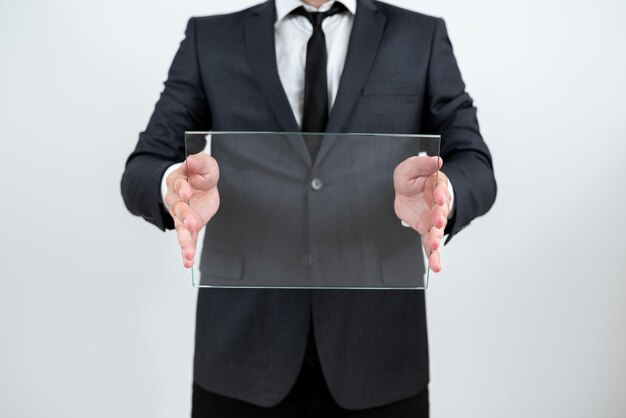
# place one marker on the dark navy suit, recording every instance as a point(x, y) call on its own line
point(400, 76)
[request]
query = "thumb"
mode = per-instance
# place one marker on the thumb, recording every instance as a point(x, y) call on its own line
point(414, 167)
point(200, 164)
point(202, 170)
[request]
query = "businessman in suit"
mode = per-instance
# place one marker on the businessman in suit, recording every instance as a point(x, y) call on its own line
point(383, 69)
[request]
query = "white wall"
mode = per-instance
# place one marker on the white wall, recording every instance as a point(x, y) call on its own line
point(527, 319)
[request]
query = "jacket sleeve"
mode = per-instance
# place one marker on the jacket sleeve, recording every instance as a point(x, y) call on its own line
point(449, 111)
point(181, 107)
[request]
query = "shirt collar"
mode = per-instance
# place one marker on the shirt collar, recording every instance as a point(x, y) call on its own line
point(284, 7)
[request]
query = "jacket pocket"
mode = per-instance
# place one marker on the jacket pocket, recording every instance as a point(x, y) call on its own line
point(390, 88)
point(215, 265)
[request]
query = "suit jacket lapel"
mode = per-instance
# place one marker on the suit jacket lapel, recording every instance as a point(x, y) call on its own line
point(261, 52)
point(367, 32)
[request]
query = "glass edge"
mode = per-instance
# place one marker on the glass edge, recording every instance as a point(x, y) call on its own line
point(308, 287)
point(313, 133)
point(198, 286)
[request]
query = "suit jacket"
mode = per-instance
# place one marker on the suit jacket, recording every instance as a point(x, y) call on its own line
point(400, 76)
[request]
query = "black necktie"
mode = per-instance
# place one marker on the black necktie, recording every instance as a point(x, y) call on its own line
point(315, 115)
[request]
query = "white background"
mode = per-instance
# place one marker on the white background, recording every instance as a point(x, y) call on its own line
point(527, 319)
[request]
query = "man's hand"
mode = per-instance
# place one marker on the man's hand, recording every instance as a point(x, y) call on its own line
point(423, 202)
point(201, 193)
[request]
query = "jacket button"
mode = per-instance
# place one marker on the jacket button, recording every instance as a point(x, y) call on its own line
point(316, 184)
point(307, 260)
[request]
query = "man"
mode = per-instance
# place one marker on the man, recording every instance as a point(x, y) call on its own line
point(301, 352)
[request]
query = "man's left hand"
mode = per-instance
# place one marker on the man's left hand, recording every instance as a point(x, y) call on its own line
point(423, 202)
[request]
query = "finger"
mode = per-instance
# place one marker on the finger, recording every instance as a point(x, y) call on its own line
point(173, 182)
point(172, 199)
point(414, 167)
point(179, 172)
point(441, 194)
point(434, 238)
point(186, 215)
point(439, 216)
point(187, 244)
point(182, 188)
point(434, 262)
point(432, 242)
point(188, 241)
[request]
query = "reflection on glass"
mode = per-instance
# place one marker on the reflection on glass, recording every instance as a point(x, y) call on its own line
point(285, 221)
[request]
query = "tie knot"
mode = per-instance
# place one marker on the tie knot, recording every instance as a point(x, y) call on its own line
point(316, 18)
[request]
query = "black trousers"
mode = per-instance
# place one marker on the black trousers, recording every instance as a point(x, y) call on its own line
point(309, 397)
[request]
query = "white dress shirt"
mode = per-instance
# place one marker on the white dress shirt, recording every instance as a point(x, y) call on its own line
point(292, 33)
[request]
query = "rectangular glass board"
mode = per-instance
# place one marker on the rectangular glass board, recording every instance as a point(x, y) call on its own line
point(288, 221)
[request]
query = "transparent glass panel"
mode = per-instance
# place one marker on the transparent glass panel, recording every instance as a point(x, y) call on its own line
point(287, 222)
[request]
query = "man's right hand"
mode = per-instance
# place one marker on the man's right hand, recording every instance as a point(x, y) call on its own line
point(201, 193)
